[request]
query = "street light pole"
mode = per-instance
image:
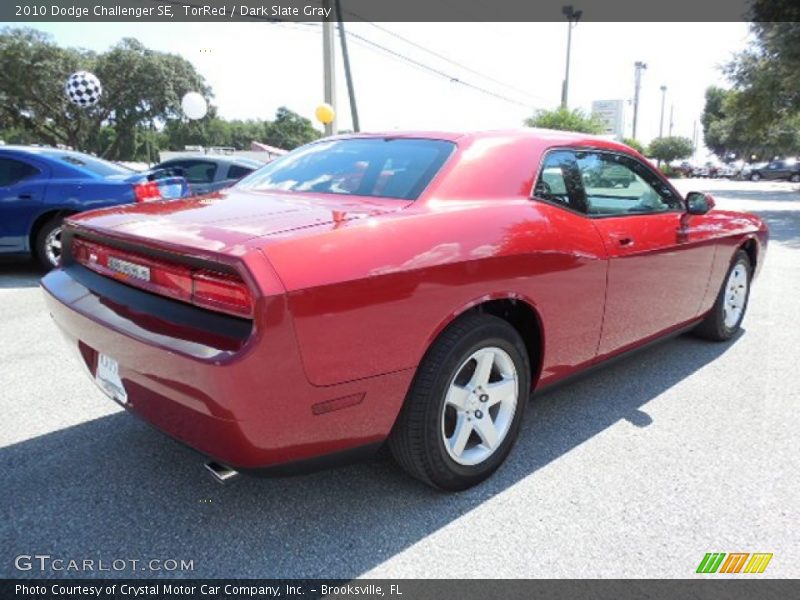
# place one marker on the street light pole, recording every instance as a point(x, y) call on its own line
point(573, 16)
point(639, 66)
point(671, 120)
point(663, 99)
point(328, 66)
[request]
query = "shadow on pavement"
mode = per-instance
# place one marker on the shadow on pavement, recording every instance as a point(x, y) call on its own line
point(113, 488)
point(19, 273)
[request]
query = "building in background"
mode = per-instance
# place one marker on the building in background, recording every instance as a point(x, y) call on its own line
point(612, 114)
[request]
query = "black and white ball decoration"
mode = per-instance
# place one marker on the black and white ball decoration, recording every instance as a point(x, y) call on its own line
point(83, 89)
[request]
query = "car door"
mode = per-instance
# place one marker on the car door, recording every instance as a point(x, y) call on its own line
point(775, 170)
point(22, 189)
point(659, 262)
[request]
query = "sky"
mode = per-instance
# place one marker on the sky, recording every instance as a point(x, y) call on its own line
point(253, 68)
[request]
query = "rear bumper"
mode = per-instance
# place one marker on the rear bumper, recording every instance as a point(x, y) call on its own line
point(249, 408)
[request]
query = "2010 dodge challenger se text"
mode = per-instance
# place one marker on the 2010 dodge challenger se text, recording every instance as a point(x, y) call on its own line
point(411, 288)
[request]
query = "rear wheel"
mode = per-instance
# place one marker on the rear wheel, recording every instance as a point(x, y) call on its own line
point(47, 243)
point(464, 409)
point(795, 178)
point(725, 318)
point(755, 177)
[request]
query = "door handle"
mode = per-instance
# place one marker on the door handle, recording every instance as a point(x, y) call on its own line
point(622, 239)
point(25, 196)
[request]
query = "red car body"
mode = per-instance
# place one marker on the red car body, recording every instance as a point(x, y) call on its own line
point(349, 292)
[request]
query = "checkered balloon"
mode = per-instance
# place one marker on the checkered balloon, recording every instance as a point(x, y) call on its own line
point(83, 89)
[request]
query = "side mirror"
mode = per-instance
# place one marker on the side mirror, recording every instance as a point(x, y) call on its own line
point(698, 203)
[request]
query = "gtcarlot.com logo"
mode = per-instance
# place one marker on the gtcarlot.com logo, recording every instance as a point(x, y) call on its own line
point(48, 563)
point(734, 562)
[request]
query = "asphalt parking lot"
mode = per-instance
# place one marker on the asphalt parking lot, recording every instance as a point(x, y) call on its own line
point(635, 471)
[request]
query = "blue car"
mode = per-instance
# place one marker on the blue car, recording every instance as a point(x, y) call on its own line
point(41, 186)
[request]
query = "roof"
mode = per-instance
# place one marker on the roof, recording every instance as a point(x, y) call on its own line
point(548, 136)
point(228, 160)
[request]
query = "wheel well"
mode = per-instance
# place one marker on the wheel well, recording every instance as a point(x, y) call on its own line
point(751, 247)
point(526, 321)
point(41, 220)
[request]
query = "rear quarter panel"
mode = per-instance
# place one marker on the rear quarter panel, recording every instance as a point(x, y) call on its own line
point(368, 298)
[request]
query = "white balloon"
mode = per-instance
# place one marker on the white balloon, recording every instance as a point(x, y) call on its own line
point(194, 105)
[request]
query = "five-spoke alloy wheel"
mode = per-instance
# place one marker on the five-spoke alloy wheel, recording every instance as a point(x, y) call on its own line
point(464, 409)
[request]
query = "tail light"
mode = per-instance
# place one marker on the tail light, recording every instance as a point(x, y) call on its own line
point(146, 191)
point(206, 288)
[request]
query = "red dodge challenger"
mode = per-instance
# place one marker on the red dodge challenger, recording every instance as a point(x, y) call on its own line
point(414, 288)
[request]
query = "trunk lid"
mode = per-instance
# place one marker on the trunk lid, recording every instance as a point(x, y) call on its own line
point(220, 222)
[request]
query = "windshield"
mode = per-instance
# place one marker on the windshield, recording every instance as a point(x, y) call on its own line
point(98, 166)
point(397, 168)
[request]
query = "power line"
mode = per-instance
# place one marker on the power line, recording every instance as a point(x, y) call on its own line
point(441, 56)
point(363, 41)
point(435, 71)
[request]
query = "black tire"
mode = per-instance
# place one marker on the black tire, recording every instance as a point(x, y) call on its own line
point(416, 441)
point(755, 177)
point(795, 178)
point(713, 326)
point(40, 247)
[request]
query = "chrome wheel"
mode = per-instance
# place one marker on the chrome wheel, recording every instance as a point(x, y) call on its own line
point(52, 246)
point(735, 296)
point(480, 405)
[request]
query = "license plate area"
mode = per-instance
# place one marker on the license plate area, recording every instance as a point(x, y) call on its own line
point(129, 269)
point(108, 379)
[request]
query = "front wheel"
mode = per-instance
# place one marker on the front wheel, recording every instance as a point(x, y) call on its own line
point(47, 244)
point(464, 409)
point(755, 177)
point(725, 318)
point(795, 178)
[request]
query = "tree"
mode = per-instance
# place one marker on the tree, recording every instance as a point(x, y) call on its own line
point(565, 120)
point(142, 88)
point(670, 148)
point(635, 144)
point(761, 113)
point(289, 130)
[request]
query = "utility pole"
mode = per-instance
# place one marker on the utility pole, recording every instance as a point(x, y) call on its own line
point(573, 16)
point(663, 99)
point(347, 73)
point(328, 66)
point(639, 66)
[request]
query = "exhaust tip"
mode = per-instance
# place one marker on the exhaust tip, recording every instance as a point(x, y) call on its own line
point(221, 473)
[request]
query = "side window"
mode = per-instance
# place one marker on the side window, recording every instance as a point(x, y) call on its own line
point(619, 185)
point(199, 172)
point(12, 171)
point(238, 171)
point(560, 181)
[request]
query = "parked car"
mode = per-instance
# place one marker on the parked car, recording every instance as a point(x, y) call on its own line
point(788, 168)
point(413, 288)
point(748, 169)
point(40, 186)
point(685, 168)
point(207, 174)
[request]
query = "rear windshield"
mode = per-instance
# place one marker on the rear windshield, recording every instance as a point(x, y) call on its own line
point(98, 166)
point(397, 168)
